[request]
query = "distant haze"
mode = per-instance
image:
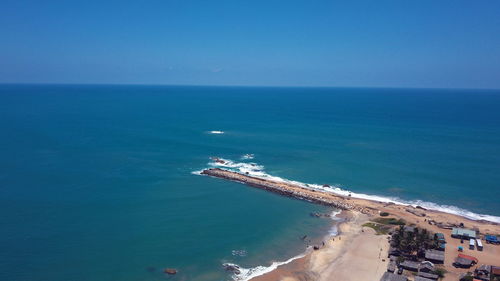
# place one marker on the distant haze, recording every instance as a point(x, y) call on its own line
point(428, 43)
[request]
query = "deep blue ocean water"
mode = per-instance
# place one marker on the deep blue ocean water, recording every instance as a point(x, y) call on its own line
point(96, 182)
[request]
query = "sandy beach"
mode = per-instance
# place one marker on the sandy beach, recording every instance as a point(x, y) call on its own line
point(358, 253)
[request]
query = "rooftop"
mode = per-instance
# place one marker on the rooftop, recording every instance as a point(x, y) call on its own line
point(409, 229)
point(484, 267)
point(391, 267)
point(483, 272)
point(463, 232)
point(463, 261)
point(440, 236)
point(428, 275)
point(410, 265)
point(491, 238)
point(426, 267)
point(420, 278)
point(393, 277)
point(434, 255)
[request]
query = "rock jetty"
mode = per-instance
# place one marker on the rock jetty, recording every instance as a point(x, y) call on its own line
point(290, 190)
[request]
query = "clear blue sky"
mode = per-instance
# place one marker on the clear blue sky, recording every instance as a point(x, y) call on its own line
point(399, 43)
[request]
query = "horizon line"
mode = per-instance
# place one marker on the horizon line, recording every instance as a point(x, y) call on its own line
point(239, 86)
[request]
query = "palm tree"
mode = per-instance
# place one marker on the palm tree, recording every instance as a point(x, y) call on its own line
point(401, 231)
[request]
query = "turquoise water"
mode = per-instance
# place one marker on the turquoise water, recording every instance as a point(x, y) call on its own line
point(96, 182)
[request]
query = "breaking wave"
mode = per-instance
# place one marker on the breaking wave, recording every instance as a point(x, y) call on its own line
point(239, 253)
point(249, 273)
point(255, 170)
point(334, 230)
point(247, 157)
point(216, 132)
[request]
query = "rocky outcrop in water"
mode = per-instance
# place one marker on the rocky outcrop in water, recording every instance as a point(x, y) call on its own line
point(319, 215)
point(232, 268)
point(218, 160)
point(170, 271)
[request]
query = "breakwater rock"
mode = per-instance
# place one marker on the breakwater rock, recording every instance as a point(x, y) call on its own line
point(289, 190)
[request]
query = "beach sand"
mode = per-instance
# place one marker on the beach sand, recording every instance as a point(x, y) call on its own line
point(355, 254)
point(362, 256)
point(358, 253)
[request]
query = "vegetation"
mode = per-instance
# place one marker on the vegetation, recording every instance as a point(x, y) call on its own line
point(439, 271)
point(379, 228)
point(384, 225)
point(467, 277)
point(384, 214)
point(391, 221)
point(413, 242)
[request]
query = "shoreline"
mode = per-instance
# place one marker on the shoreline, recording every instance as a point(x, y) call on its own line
point(336, 218)
point(354, 245)
point(363, 255)
point(334, 257)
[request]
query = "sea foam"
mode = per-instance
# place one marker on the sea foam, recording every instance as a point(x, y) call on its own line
point(256, 170)
point(334, 230)
point(249, 273)
point(247, 157)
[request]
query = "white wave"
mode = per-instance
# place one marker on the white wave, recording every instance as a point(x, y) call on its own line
point(334, 230)
point(334, 214)
point(454, 210)
point(255, 170)
point(249, 273)
point(239, 253)
point(247, 157)
point(216, 132)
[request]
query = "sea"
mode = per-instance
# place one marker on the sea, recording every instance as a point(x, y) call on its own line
point(102, 183)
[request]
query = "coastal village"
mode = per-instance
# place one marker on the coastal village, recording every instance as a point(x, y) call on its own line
point(416, 254)
point(420, 244)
